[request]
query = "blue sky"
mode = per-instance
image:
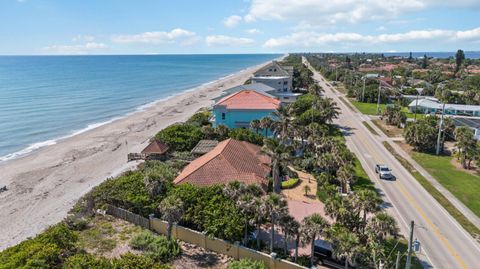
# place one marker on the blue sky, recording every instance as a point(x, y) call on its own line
point(236, 26)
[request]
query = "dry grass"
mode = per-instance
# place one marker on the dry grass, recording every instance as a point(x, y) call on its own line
point(389, 130)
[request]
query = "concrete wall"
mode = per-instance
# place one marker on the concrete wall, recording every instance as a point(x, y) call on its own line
point(221, 246)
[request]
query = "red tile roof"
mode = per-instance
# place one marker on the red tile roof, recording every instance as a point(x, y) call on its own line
point(231, 160)
point(248, 99)
point(155, 147)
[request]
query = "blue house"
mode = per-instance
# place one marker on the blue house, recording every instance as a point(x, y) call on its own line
point(239, 109)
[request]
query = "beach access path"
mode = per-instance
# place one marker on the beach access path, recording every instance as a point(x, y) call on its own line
point(43, 186)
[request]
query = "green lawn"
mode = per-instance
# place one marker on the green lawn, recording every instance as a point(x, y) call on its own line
point(465, 186)
point(367, 108)
point(363, 180)
point(466, 224)
point(371, 109)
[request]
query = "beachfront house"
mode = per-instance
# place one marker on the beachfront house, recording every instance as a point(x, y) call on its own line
point(284, 97)
point(231, 160)
point(429, 106)
point(275, 76)
point(239, 109)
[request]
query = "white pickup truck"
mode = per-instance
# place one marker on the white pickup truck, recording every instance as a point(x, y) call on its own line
point(383, 171)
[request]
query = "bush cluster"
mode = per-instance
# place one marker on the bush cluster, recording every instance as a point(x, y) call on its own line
point(247, 264)
point(288, 184)
point(159, 248)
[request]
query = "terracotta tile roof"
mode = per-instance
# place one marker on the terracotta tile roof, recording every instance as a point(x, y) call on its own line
point(155, 147)
point(231, 160)
point(248, 99)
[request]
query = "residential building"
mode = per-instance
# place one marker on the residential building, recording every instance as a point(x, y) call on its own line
point(473, 124)
point(284, 97)
point(231, 160)
point(428, 106)
point(275, 76)
point(239, 109)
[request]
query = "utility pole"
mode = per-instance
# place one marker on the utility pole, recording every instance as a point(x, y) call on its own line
point(363, 90)
point(416, 108)
point(410, 241)
point(440, 130)
point(397, 263)
point(378, 101)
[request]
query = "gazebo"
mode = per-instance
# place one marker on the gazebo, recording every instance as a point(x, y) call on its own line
point(156, 150)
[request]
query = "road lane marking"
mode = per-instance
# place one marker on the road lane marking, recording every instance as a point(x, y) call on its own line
point(437, 232)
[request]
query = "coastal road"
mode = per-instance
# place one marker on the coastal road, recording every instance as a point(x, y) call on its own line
point(444, 243)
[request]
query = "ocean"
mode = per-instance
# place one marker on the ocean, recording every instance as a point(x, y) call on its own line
point(47, 98)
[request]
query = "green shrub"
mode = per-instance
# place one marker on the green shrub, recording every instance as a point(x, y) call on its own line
point(246, 135)
point(247, 264)
point(158, 248)
point(47, 250)
point(132, 261)
point(180, 137)
point(128, 192)
point(200, 118)
point(208, 209)
point(76, 223)
point(142, 240)
point(87, 261)
point(162, 249)
point(290, 183)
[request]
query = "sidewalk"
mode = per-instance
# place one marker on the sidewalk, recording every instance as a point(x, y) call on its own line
point(472, 217)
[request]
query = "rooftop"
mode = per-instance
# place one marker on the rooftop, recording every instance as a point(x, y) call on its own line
point(204, 146)
point(155, 147)
point(248, 99)
point(433, 104)
point(258, 87)
point(231, 160)
point(273, 69)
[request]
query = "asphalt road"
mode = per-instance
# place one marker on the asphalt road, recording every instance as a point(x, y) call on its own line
point(444, 243)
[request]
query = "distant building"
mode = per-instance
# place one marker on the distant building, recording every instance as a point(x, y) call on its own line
point(427, 106)
point(239, 109)
point(275, 76)
point(473, 124)
point(231, 160)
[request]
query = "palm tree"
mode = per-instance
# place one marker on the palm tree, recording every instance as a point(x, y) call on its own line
point(383, 225)
point(312, 227)
point(279, 154)
point(234, 190)
point(346, 246)
point(255, 125)
point(367, 202)
point(328, 108)
point(155, 183)
point(171, 209)
point(345, 175)
point(283, 124)
point(246, 204)
point(275, 207)
point(258, 217)
point(266, 123)
point(290, 231)
point(315, 89)
point(306, 189)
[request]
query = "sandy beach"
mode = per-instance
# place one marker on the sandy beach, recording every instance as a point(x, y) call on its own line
point(44, 185)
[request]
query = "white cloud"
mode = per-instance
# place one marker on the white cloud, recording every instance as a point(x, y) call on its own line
point(232, 21)
point(223, 40)
point(178, 34)
point(314, 39)
point(90, 47)
point(353, 11)
point(87, 38)
point(253, 31)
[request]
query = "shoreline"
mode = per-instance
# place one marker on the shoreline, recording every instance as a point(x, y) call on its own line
point(45, 184)
point(53, 141)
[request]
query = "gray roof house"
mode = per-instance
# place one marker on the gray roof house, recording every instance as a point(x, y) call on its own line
point(275, 76)
point(428, 106)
